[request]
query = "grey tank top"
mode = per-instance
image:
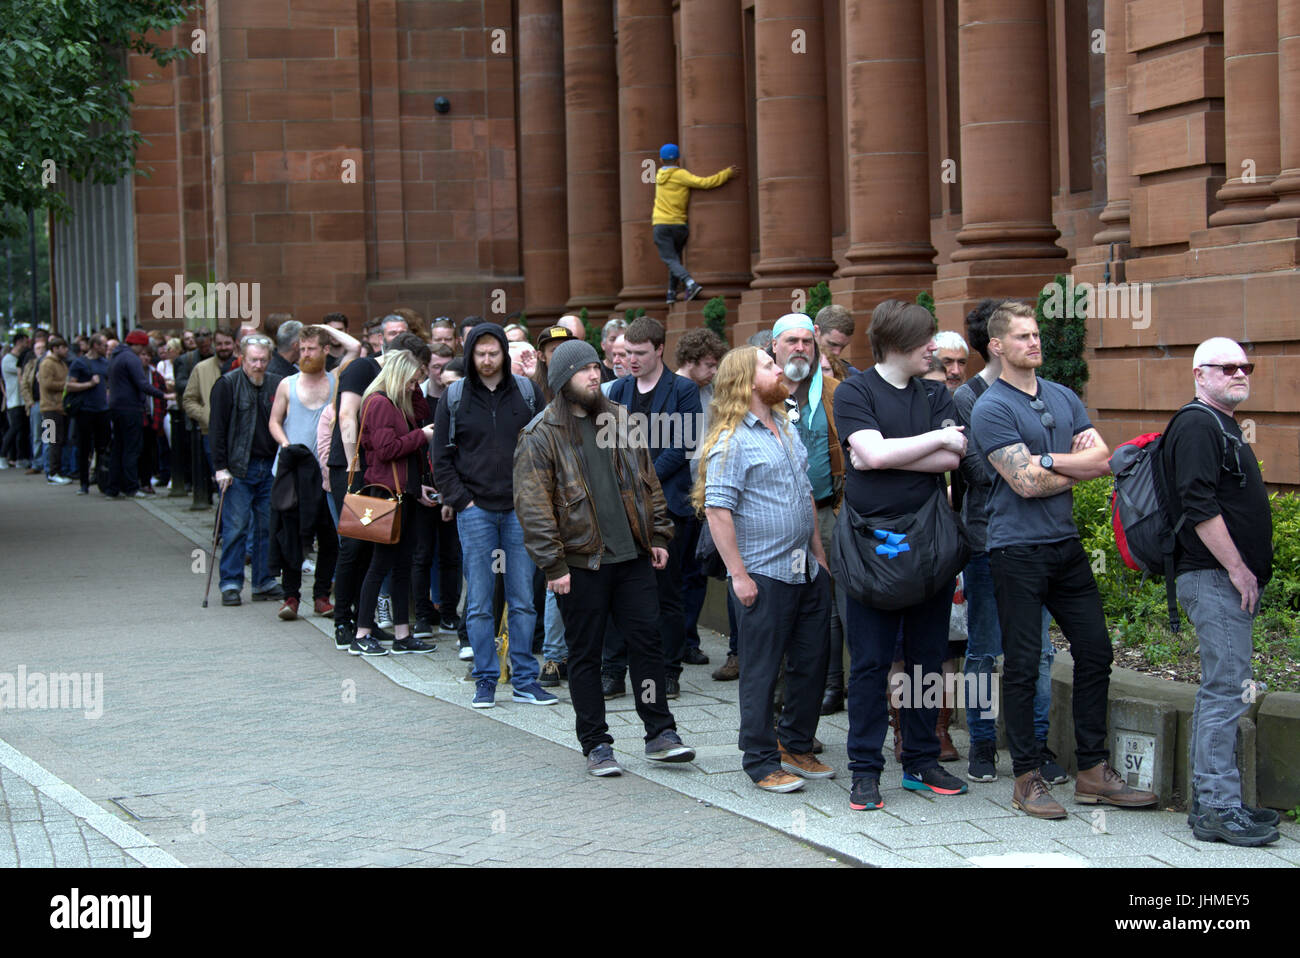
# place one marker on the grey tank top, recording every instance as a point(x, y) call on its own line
point(300, 422)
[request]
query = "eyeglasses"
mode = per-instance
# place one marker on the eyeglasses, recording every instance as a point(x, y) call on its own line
point(1230, 369)
point(1046, 418)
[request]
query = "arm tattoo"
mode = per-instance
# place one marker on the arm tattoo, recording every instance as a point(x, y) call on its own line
point(1027, 480)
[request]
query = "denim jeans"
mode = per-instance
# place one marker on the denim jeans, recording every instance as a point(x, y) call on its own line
point(248, 504)
point(38, 447)
point(1223, 633)
point(554, 649)
point(487, 536)
point(984, 645)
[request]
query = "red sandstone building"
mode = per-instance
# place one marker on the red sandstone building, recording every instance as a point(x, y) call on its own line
point(965, 147)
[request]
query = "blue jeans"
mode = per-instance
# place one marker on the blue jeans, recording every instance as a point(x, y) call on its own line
point(984, 645)
point(1223, 633)
point(486, 539)
point(38, 447)
point(248, 502)
point(554, 648)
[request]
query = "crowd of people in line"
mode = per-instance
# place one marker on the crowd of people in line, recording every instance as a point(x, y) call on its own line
point(846, 509)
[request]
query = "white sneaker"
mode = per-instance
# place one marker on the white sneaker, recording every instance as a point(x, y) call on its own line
point(58, 480)
point(308, 567)
point(384, 612)
point(466, 653)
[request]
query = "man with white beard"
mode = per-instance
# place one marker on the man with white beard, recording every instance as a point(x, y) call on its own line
point(810, 407)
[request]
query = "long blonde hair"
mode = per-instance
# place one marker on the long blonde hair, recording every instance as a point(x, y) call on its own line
point(733, 386)
point(394, 380)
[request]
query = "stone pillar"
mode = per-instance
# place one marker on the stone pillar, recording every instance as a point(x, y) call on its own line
point(1287, 186)
point(542, 206)
point(1251, 83)
point(647, 119)
point(889, 171)
point(793, 198)
point(1006, 246)
point(713, 124)
point(1118, 120)
point(591, 160)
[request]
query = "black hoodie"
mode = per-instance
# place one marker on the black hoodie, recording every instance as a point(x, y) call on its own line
point(480, 467)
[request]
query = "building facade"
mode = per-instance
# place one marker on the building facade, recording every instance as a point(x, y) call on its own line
point(966, 148)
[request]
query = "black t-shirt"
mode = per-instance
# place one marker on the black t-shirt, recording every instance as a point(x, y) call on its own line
point(641, 401)
point(1203, 488)
point(360, 373)
point(264, 447)
point(332, 362)
point(867, 401)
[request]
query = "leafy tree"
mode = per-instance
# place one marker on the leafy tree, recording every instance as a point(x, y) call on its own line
point(925, 299)
point(1063, 336)
point(16, 271)
point(65, 94)
point(818, 296)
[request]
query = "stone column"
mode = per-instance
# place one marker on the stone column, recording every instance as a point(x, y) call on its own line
point(591, 160)
point(647, 118)
point(542, 207)
point(1118, 121)
point(1250, 64)
point(1287, 186)
point(793, 198)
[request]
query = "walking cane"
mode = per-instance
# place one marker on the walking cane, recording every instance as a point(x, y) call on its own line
point(212, 559)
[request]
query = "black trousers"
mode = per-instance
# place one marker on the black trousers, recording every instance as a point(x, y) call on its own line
point(58, 436)
point(180, 446)
point(435, 541)
point(695, 584)
point(397, 560)
point(627, 591)
point(93, 435)
point(17, 444)
point(786, 622)
point(124, 457)
point(327, 555)
point(353, 560)
point(1056, 575)
point(672, 619)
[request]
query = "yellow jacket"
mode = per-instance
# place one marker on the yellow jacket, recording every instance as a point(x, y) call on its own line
point(673, 187)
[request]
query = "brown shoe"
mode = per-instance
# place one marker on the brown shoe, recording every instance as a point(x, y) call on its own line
point(898, 734)
point(1102, 784)
point(947, 751)
point(1033, 797)
point(728, 671)
point(780, 782)
point(805, 766)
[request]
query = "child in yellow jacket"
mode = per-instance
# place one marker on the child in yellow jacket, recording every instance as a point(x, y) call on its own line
point(673, 187)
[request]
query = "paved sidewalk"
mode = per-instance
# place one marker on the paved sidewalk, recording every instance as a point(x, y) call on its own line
point(978, 829)
point(229, 738)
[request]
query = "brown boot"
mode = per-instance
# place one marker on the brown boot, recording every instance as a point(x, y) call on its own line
point(947, 751)
point(1032, 796)
point(898, 734)
point(1102, 784)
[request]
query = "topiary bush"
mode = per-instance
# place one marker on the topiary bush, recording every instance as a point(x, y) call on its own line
point(715, 316)
point(818, 296)
point(1063, 336)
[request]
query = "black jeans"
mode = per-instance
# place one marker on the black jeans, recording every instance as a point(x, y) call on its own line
point(786, 622)
point(327, 555)
point(58, 436)
point(93, 434)
point(124, 458)
point(670, 240)
point(435, 541)
point(17, 445)
point(695, 584)
point(397, 560)
point(1056, 575)
point(672, 620)
point(627, 592)
point(353, 559)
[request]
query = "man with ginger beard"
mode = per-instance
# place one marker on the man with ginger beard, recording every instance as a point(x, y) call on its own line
point(605, 545)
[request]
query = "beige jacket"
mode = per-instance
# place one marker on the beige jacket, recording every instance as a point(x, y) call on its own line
point(199, 388)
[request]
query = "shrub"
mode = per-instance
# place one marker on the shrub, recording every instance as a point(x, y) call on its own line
point(925, 299)
point(715, 316)
point(818, 296)
point(1063, 337)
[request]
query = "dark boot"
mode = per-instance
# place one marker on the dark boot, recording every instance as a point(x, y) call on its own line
point(947, 751)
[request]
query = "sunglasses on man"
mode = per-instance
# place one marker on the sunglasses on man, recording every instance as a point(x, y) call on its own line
point(1230, 369)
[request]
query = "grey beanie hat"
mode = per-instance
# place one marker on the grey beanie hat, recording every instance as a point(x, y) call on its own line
point(567, 359)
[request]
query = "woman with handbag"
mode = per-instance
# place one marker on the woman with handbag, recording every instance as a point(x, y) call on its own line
point(393, 444)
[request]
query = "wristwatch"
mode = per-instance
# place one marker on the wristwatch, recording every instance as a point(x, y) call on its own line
point(1046, 461)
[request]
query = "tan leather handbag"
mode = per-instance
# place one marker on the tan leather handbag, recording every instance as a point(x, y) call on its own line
point(371, 518)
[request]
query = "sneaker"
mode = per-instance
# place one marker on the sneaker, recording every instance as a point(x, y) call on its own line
point(384, 612)
point(805, 766)
point(1053, 774)
point(267, 595)
point(344, 634)
point(983, 762)
point(366, 645)
point(323, 606)
point(550, 677)
point(422, 630)
point(1260, 816)
point(141, 494)
point(668, 747)
point(728, 671)
point(780, 782)
point(533, 694)
point(1233, 826)
point(449, 623)
point(289, 610)
point(1031, 795)
point(308, 566)
point(58, 480)
point(936, 780)
point(410, 645)
point(672, 687)
point(382, 636)
point(601, 761)
point(485, 694)
point(466, 653)
point(83, 491)
point(692, 289)
point(865, 794)
point(1101, 784)
point(231, 597)
point(694, 656)
point(611, 686)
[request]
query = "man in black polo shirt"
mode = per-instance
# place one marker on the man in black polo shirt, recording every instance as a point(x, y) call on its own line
point(1037, 437)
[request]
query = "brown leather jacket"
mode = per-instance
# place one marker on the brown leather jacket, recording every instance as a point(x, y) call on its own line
point(553, 502)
